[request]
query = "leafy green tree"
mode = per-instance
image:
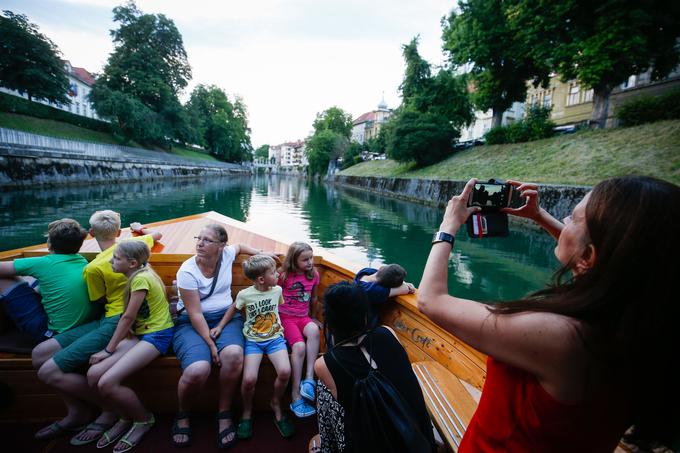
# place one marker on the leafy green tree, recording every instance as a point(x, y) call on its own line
point(421, 137)
point(480, 37)
point(600, 44)
point(322, 147)
point(29, 60)
point(334, 119)
point(131, 120)
point(262, 152)
point(352, 154)
point(221, 125)
point(149, 64)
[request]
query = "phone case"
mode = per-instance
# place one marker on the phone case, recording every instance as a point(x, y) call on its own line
point(487, 224)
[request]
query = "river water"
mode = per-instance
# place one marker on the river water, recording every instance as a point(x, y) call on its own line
point(362, 227)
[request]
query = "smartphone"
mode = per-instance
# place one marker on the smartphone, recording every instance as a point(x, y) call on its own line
point(495, 195)
point(487, 224)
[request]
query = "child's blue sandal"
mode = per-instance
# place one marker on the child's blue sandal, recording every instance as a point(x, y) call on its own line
point(302, 409)
point(308, 389)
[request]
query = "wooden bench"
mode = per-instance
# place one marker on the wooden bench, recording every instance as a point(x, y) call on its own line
point(449, 402)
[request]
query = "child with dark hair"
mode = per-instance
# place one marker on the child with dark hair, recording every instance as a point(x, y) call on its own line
point(381, 284)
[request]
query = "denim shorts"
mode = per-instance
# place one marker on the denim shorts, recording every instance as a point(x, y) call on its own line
point(24, 308)
point(190, 347)
point(161, 339)
point(265, 347)
point(82, 341)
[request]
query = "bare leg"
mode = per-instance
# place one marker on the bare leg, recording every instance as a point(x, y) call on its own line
point(297, 359)
point(282, 366)
point(190, 384)
point(43, 352)
point(311, 332)
point(251, 367)
point(230, 372)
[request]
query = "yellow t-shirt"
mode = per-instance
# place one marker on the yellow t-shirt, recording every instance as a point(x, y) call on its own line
point(102, 281)
point(154, 313)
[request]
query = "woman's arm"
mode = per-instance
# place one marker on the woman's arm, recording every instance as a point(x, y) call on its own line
point(324, 375)
point(123, 327)
point(192, 304)
point(248, 250)
point(215, 331)
point(529, 340)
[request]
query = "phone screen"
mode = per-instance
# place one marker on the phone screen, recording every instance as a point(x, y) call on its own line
point(490, 195)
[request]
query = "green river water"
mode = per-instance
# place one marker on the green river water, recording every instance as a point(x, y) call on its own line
point(359, 226)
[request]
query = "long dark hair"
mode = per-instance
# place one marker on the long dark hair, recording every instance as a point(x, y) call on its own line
point(345, 311)
point(629, 296)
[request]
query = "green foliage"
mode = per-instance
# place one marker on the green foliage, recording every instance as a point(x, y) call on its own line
point(352, 154)
point(15, 104)
point(417, 71)
point(29, 61)
point(334, 119)
point(322, 147)
point(534, 126)
point(649, 109)
point(147, 68)
point(421, 137)
point(479, 36)
point(262, 152)
point(221, 125)
point(377, 144)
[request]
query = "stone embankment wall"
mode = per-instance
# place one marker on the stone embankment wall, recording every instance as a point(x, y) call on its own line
point(556, 199)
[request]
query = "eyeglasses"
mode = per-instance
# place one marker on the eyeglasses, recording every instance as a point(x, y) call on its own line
point(206, 240)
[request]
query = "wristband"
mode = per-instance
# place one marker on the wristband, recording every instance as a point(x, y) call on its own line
point(108, 352)
point(442, 236)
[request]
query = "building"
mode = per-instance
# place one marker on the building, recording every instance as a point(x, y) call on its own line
point(573, 104)
point(483, 120)
point(368, 125)
point(288, 155)
point(80, 85)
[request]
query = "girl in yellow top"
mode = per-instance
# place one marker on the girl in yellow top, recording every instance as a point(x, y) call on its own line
point(147, 316)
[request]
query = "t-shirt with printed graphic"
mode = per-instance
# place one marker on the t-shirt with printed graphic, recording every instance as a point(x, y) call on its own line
point(154, 313)
point(297, 293)
point(103, 281)
point(262, 313)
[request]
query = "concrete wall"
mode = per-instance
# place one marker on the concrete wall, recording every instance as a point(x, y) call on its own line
point(557, 200)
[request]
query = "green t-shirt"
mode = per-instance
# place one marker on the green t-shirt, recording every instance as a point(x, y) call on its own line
point(102, 281)
point(262, 313)
point(154, 313)
point(63, 290)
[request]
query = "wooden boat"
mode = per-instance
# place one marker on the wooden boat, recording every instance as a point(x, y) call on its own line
point(451, 372)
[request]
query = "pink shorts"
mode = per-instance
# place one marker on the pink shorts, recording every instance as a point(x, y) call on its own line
point(293, 327)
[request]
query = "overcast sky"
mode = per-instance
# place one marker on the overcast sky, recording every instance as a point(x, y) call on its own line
point(287, 59)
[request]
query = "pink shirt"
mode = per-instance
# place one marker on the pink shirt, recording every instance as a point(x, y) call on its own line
point(297, 293)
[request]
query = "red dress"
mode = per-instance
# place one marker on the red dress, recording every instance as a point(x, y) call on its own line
point(515, 414)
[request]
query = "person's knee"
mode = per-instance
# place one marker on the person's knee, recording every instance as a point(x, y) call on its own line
point(248, 383)
point(312, 332)
point(106, 386)
point(196, 374)
point(43, 352)
point(50, 373)
point(232, 358)
point(284, 373)
point(299, 349)
point(93, 376)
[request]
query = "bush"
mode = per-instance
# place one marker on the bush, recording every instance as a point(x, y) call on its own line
point(16, 104)
point(648, 109)
point(421, 137)
point(535, 126)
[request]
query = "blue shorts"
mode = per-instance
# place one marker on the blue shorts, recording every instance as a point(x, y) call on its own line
point(24, 308)
point(265, 347)
point(161, 339)
point(190, 347)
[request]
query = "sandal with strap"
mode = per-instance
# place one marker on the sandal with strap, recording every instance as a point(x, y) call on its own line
point(285, 427)
point(178, 430)
point(128, 444)
point(96, 427)
point(221, 435)
point(245, 429)
point(108, 437)
point(54, 430)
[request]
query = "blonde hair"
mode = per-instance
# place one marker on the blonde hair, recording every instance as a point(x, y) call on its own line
point(105, 224)
point(138, 251)
point(294, 251)
point(257, 265)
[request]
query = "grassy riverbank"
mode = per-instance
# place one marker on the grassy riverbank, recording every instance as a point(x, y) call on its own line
point(68, 131)
point(583, 158)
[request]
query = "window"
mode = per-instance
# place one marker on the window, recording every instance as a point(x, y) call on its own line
point(574, 94)
point(546, 100)
point(630, 83)
point(588, 96)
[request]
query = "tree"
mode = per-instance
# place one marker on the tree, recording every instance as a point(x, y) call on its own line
point(262, 152)
point(29, 61)
point(221, 125)
point(149, 64)
point(334, 119)
point(480, 37)
point(600, 44)
point(322, 147)
point(131, 119)
point(421, 137)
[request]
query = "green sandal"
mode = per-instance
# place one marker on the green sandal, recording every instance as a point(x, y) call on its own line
point(245, 429)
point(97, 428)
point(108, 438)
point(128, 444)
point(285, 427)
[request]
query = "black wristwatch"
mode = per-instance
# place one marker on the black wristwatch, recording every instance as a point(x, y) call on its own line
point(442, 236)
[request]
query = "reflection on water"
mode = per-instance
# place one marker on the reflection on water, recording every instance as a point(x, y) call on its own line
point(359, 226)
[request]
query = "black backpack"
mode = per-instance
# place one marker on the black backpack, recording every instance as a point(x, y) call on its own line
point(382, 420)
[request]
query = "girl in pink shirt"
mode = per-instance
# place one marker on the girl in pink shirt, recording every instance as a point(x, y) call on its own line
point(299, 280)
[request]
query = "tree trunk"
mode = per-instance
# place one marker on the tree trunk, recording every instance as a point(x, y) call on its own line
point(497, 117)
point(600, 106)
